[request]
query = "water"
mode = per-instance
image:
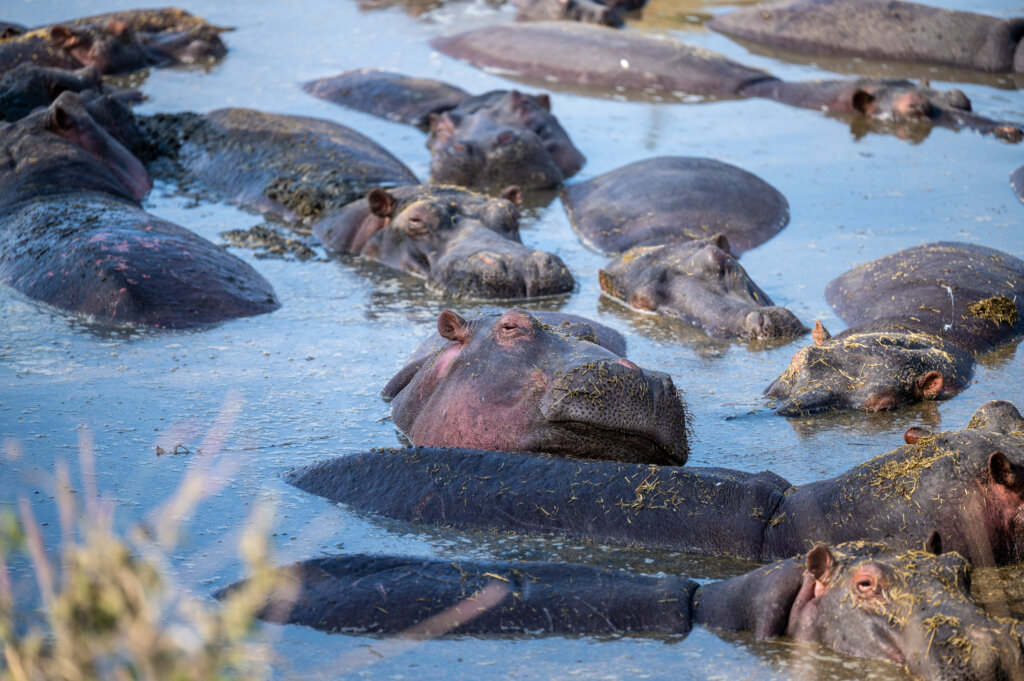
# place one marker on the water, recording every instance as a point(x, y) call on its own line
point(305, 379)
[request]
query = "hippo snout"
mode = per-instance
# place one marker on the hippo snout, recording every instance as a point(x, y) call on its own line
point(627, 407)
point(772, 322)
point(500, 269)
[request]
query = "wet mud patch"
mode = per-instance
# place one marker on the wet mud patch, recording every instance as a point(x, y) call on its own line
point(268, 242)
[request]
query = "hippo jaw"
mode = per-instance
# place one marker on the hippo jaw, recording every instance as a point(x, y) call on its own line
point(913, 609)
point(578, 406)
point(871, 371)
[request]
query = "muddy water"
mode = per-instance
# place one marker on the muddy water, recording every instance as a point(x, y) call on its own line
point(305, 379)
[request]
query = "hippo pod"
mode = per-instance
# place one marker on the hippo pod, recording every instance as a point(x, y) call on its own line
point(674, 198)
point(118, 42)
point(511, 382)
point(882, 29)
point(490, 140)
point(73, 235)
point(292, 168)
point(589, 55)
point(699, 282)
point(918, 317)
point(913, 608)
point(969, 483)
point(466, 245)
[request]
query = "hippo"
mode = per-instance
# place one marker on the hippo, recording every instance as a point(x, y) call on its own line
point(699, 282)
point(888, 30)
point(1017, 182)
point(466, 245)
point(912, 608)
point(485, 141)
point(291, 168)
point(119, 42)
point(73, 235)
point(30, 86)
point(917, 319)
point(511, 382)
point(589, 11)
point(589, 55)
point(968, 482)
point(9, 29)
point(674, 198)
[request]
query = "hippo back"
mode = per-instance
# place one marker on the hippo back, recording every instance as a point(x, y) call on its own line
point(969, 293)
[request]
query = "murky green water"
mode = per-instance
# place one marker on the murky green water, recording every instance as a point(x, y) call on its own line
point(307, 377)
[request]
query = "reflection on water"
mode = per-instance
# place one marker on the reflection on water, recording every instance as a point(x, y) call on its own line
point(309, 375)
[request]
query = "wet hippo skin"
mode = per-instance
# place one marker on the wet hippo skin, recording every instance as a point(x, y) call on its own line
point(72, 233)
point(969, 482)
point(589, 55)
point(918, 317)
point(882, 29)
point(514, 383)
point(867, 600)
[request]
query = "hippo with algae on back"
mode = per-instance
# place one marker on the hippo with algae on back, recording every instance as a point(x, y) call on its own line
point(489, 140)
point(73, 235)
point(910, 607)
point(969, 483)
point(584, 54)
point(882, 29)
point(917, 319)
point(466, 245)
point(511, 382)
point(699, 282)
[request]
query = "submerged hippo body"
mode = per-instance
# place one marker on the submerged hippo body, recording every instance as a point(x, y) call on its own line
point(515, 383)
point(699, 282)
point(491, 140)
point(73, 235)
point(466, 245)
point(917, 319)
point(969, 483)
point(293, 168)
point(913, 607)
point(674, 198)
point(882, 29)
point(1017, 182)
point(583, 54)
point(118, 42)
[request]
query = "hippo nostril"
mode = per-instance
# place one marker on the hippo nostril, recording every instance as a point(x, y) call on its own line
point(505, 137)
point(755, 322)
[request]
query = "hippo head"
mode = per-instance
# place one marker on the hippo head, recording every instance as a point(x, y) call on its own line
point(68, 117)
point(465, 244)
point(501, 138)
point(912, 608)
point(702, 283)
point(198, 42)
point(902, 102)
point(873, 370)
point(112, 47)
point(517, 384)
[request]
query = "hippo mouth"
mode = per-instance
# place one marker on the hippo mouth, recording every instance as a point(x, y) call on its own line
point(614, 444)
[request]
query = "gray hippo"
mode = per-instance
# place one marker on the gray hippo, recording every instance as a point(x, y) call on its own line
point(887, 30)
point(1017, 182)
point(510, 382)
point(72, 233)
point(466, 245)
point(969, 483)
point(912, 608)
point(674, 198)
point(292, 168)
point(117, 42)
point(490, 140)
point(699, 282)
point(589, 55)
point(917, 319)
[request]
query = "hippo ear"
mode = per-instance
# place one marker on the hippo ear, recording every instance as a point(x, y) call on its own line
point(543, 100)
point(119, 28)
point(452, 326)
point(57, 118)
point(721, 241)
point(820, 562)
point(933, 544)
point(514, 194)
point(820, 333)
point(382, 204)
point(915, 434)
point(863, 102)
point(1000, 469)
point(929, 386)
point(442, 126)
point(64, 37)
